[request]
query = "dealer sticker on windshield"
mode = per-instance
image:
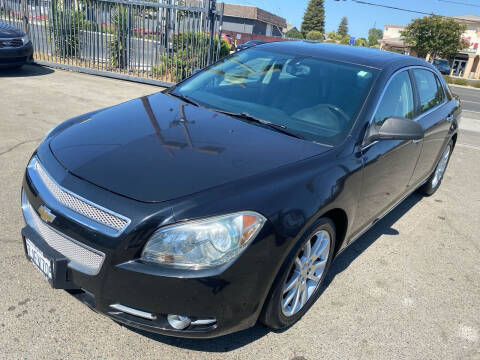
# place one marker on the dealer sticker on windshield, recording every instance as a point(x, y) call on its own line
point(38, 259)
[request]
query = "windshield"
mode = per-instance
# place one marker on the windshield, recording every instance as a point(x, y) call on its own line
point(316, 99)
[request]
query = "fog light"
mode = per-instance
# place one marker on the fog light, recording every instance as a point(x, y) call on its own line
point(178, 322)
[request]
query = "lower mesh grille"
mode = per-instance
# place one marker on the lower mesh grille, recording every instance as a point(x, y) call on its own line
point(82, 258)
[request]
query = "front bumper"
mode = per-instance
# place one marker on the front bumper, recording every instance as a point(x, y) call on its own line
point(232, 295)
point(16, 56)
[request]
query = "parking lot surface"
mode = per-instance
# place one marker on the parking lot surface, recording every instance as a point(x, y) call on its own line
point(408, 289)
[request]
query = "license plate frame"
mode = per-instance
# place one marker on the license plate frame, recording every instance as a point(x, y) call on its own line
point(43, 263)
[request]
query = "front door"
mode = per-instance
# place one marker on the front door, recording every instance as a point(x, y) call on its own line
point(388, 164)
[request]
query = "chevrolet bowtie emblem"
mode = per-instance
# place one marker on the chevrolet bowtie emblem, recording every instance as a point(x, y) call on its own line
point(46, 214)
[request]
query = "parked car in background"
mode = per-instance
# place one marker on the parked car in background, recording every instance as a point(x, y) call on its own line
point(15, 47)
point(250, 44)
point(197, 211)
point(442, 65)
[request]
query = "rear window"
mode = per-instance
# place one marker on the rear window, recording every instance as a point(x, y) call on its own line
point(440, 62)
point(429, 90)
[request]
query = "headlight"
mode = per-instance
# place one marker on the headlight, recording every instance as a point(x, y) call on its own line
point(25, 40)
point(204, 243)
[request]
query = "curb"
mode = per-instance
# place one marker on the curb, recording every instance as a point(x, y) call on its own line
point(464, 86)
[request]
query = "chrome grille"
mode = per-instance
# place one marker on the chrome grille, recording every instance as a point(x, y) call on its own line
point(79, 205)
point(82, 258)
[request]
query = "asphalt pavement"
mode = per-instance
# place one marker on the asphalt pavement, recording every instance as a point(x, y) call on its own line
point(408, 289)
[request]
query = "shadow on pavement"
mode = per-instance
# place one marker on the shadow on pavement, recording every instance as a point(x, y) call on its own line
point(383, 227)
point(26, 71)
point(237, 340)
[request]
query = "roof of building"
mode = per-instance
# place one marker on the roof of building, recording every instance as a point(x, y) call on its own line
point(344, 53)
point(254, 13)
point(468, 17)
point(394, 26)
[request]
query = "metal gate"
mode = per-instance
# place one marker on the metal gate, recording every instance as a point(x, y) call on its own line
point(159, 42)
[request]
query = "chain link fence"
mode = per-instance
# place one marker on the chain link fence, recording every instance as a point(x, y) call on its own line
point(158, 42)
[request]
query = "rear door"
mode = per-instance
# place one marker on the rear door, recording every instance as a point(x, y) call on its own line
point(435, 115)
point(389, 164)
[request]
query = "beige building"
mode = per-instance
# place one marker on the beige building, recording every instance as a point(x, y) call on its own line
point(466, 62)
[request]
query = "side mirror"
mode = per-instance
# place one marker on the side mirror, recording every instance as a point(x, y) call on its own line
point(395, 128)
point(196, 70)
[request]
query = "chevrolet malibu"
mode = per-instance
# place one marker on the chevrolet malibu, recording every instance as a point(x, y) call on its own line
point(222, 201)
point(16, 49)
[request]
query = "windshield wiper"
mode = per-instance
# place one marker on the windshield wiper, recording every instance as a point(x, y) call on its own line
point(185, 98)
point(246, 116)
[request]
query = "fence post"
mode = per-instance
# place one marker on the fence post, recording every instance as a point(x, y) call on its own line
point(25, 18)
point(212, 6)
point(129, 19)
point(220, 27)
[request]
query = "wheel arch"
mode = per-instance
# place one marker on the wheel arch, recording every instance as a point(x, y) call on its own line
point(340, 219)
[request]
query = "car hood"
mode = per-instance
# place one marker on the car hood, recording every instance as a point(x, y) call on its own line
point(158, 148)
point(8, 31)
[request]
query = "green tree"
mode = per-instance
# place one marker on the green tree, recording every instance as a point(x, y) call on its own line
point(343, 27)
point(314, 17)
point(333, 36)
point(435, 35)
point(315, 35)
point(373, 36)
point(294, 34)
point(361, 42)
point(345, 40)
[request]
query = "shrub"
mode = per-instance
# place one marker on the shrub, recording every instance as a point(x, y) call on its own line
point(190, 52)
point(315, 35)
point(294, 34)
point(461, 81)
point(63, 29)
point(118, 43)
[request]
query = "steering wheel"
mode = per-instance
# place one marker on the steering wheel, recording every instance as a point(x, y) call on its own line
point(343, 115)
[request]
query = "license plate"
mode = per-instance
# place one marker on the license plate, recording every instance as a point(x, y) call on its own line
point(38, 259)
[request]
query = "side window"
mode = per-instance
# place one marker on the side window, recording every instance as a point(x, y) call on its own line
point(429, 90)
point(397, 100)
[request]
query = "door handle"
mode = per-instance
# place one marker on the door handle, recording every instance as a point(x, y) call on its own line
point(450, 118)
point(416, 141)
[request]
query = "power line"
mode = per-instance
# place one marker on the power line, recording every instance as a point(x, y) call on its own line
point(459, 3)
point(392, 7)
point(413, 11)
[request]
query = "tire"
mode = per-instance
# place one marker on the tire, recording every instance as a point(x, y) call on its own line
point(435, 180)
point(274, 314)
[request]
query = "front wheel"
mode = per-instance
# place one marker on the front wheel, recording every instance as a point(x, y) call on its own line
point(298, 284)
point(433, 183)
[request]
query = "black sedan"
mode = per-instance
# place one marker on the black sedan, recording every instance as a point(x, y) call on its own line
point(249, 44)
point(198, 211)
point(15, 47)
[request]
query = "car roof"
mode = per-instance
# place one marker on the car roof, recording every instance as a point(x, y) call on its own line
point(350, 54)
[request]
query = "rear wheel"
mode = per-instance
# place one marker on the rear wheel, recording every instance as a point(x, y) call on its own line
point(298, 284)
point(433, 183)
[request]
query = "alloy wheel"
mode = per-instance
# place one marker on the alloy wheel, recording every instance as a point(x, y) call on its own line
point(440, 169)
point(306, 273)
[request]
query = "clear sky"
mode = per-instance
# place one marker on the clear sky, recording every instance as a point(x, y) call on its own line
point(362, 17)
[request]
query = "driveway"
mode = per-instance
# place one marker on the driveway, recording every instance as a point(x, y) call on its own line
point(408, 289)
